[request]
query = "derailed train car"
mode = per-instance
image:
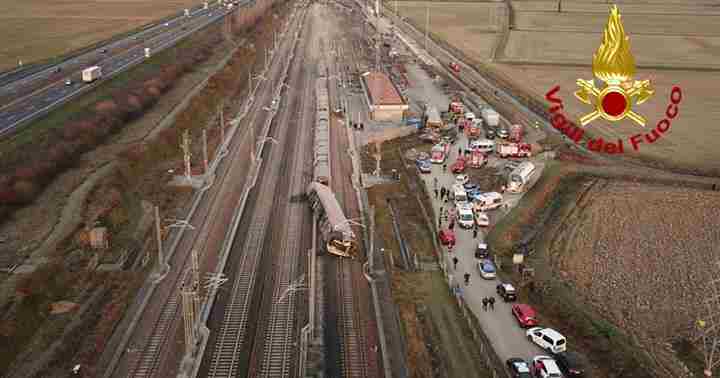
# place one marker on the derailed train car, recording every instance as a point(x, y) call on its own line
point(321, 145)
point(337, 235)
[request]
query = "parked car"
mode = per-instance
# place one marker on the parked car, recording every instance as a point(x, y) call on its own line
point(68, 82)
point(518, 368)
point(458, 166)
point(482, 251)
point(487, 269)
point(462, 180)
point(474, 194)
point(503, 133)
point(465, 215)
point(525, 315)
point(545, 367)
point(548, 339)
point(506, 291)
point(572, 364)
point(482, 219)
point(423, 156)
point(58, 69)
point(103, 51)
point(490, 133)
point(424, 166)
point(447, 237)
point(470, 186)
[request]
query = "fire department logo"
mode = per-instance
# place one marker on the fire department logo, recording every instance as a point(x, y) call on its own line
point(614, 65)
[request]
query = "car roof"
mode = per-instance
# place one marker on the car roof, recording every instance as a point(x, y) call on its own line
point(552, 333)
point(551, 366)
point(508, 286)
point(525, 308)
point(520, 365)
point(482, 245)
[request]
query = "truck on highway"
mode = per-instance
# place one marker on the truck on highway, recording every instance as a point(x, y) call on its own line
point(474, 131)
point(519, 178)
point(477, 159)
point(91, 74)
point(513, 150)
point(491, 117)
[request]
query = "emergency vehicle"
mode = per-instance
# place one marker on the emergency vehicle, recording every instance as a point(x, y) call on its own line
point(513, 150)
point(438, 154)
point(465, 215)
point(516, 132)
point(477, 159)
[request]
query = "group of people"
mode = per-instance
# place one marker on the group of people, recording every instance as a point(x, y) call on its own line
point(358, 126)
point(488, 301)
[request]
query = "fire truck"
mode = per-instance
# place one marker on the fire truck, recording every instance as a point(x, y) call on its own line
point(457, 107)
point(477, 159)
point(513, 150)
point(516, 132)
point(438, 153)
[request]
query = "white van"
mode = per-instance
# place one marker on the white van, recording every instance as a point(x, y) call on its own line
point(459, 193)
point(488, 201)
point(548, 339)
point(465, 215)
point(483, 145)
point(520, 177)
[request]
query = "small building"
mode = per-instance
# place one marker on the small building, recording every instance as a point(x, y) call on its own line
point(383, 98)
point(99, 238)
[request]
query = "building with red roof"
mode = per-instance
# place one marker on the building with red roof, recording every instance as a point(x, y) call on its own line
point(383, 98)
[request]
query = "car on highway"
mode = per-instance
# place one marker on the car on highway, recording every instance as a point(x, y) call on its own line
point(572, 364)
point(474, 194)
point(482, 219)
point(103, 51)
point(506, 291)
point(470, 186)
point(167, 24)
point(424, 166)
point(461, 179)
point(548, 339)
point(458, 166)
point(518, 368)
point(68, 82)
point(487, 269)
point(447, 237)
point(490, 133)
point(545, 367)
point(525, 315)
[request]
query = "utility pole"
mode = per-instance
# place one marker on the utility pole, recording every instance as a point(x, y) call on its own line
point(158, 233)
point(427, 24)
point(205, 150)
point(187, 154)
point(222, 122)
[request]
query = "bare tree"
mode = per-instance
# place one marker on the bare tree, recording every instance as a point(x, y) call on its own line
point(708, 326)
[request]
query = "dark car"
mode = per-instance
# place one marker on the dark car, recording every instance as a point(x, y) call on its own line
point(507, 292)
point(424, 166)
point(572, 364)
point(490, 133)
point(518, 368)
point(470, 186)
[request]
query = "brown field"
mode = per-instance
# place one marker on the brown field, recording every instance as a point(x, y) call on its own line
point(450, 20)
point(690, 142)
point(35, 29)
point(699, 7)
point(649, 267)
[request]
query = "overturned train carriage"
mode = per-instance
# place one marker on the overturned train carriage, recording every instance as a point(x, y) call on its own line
point(337, 235)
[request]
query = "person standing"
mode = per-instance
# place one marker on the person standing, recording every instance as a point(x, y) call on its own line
point(459, 151)
point(467, 278)
point(435, 183)
point(475, 232)
point(444, 167)
point(436, 193)
point(485, 303)
point(452, 225)
point(455, 261)
point(491, 301)
point(439, 222)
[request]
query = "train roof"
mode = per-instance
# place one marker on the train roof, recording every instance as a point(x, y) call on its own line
point(332, 208)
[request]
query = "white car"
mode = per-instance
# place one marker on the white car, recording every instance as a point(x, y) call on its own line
point(548, 339)
point(462, 179)
point(482, 219)
point(486, 269)
point(545, 367)
point(465, 215)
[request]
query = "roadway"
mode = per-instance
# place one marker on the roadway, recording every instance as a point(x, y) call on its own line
point(30, 97)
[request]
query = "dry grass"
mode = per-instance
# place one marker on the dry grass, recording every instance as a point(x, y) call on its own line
point(650, 50)
point(690, 143)
point(657, 242)
point(699, 7)
point(475, 22)
point(35, 29)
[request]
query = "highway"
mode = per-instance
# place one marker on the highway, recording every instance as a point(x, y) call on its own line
point(25, 106)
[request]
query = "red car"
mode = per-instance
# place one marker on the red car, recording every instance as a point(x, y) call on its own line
point(447, 237)
point(525, 315)
point(458, 166)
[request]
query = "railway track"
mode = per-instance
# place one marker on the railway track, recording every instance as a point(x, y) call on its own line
point(349, 315)
point(233, 335)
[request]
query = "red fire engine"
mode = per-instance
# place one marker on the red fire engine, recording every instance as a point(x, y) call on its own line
point(513, 150)
point(477, 159)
